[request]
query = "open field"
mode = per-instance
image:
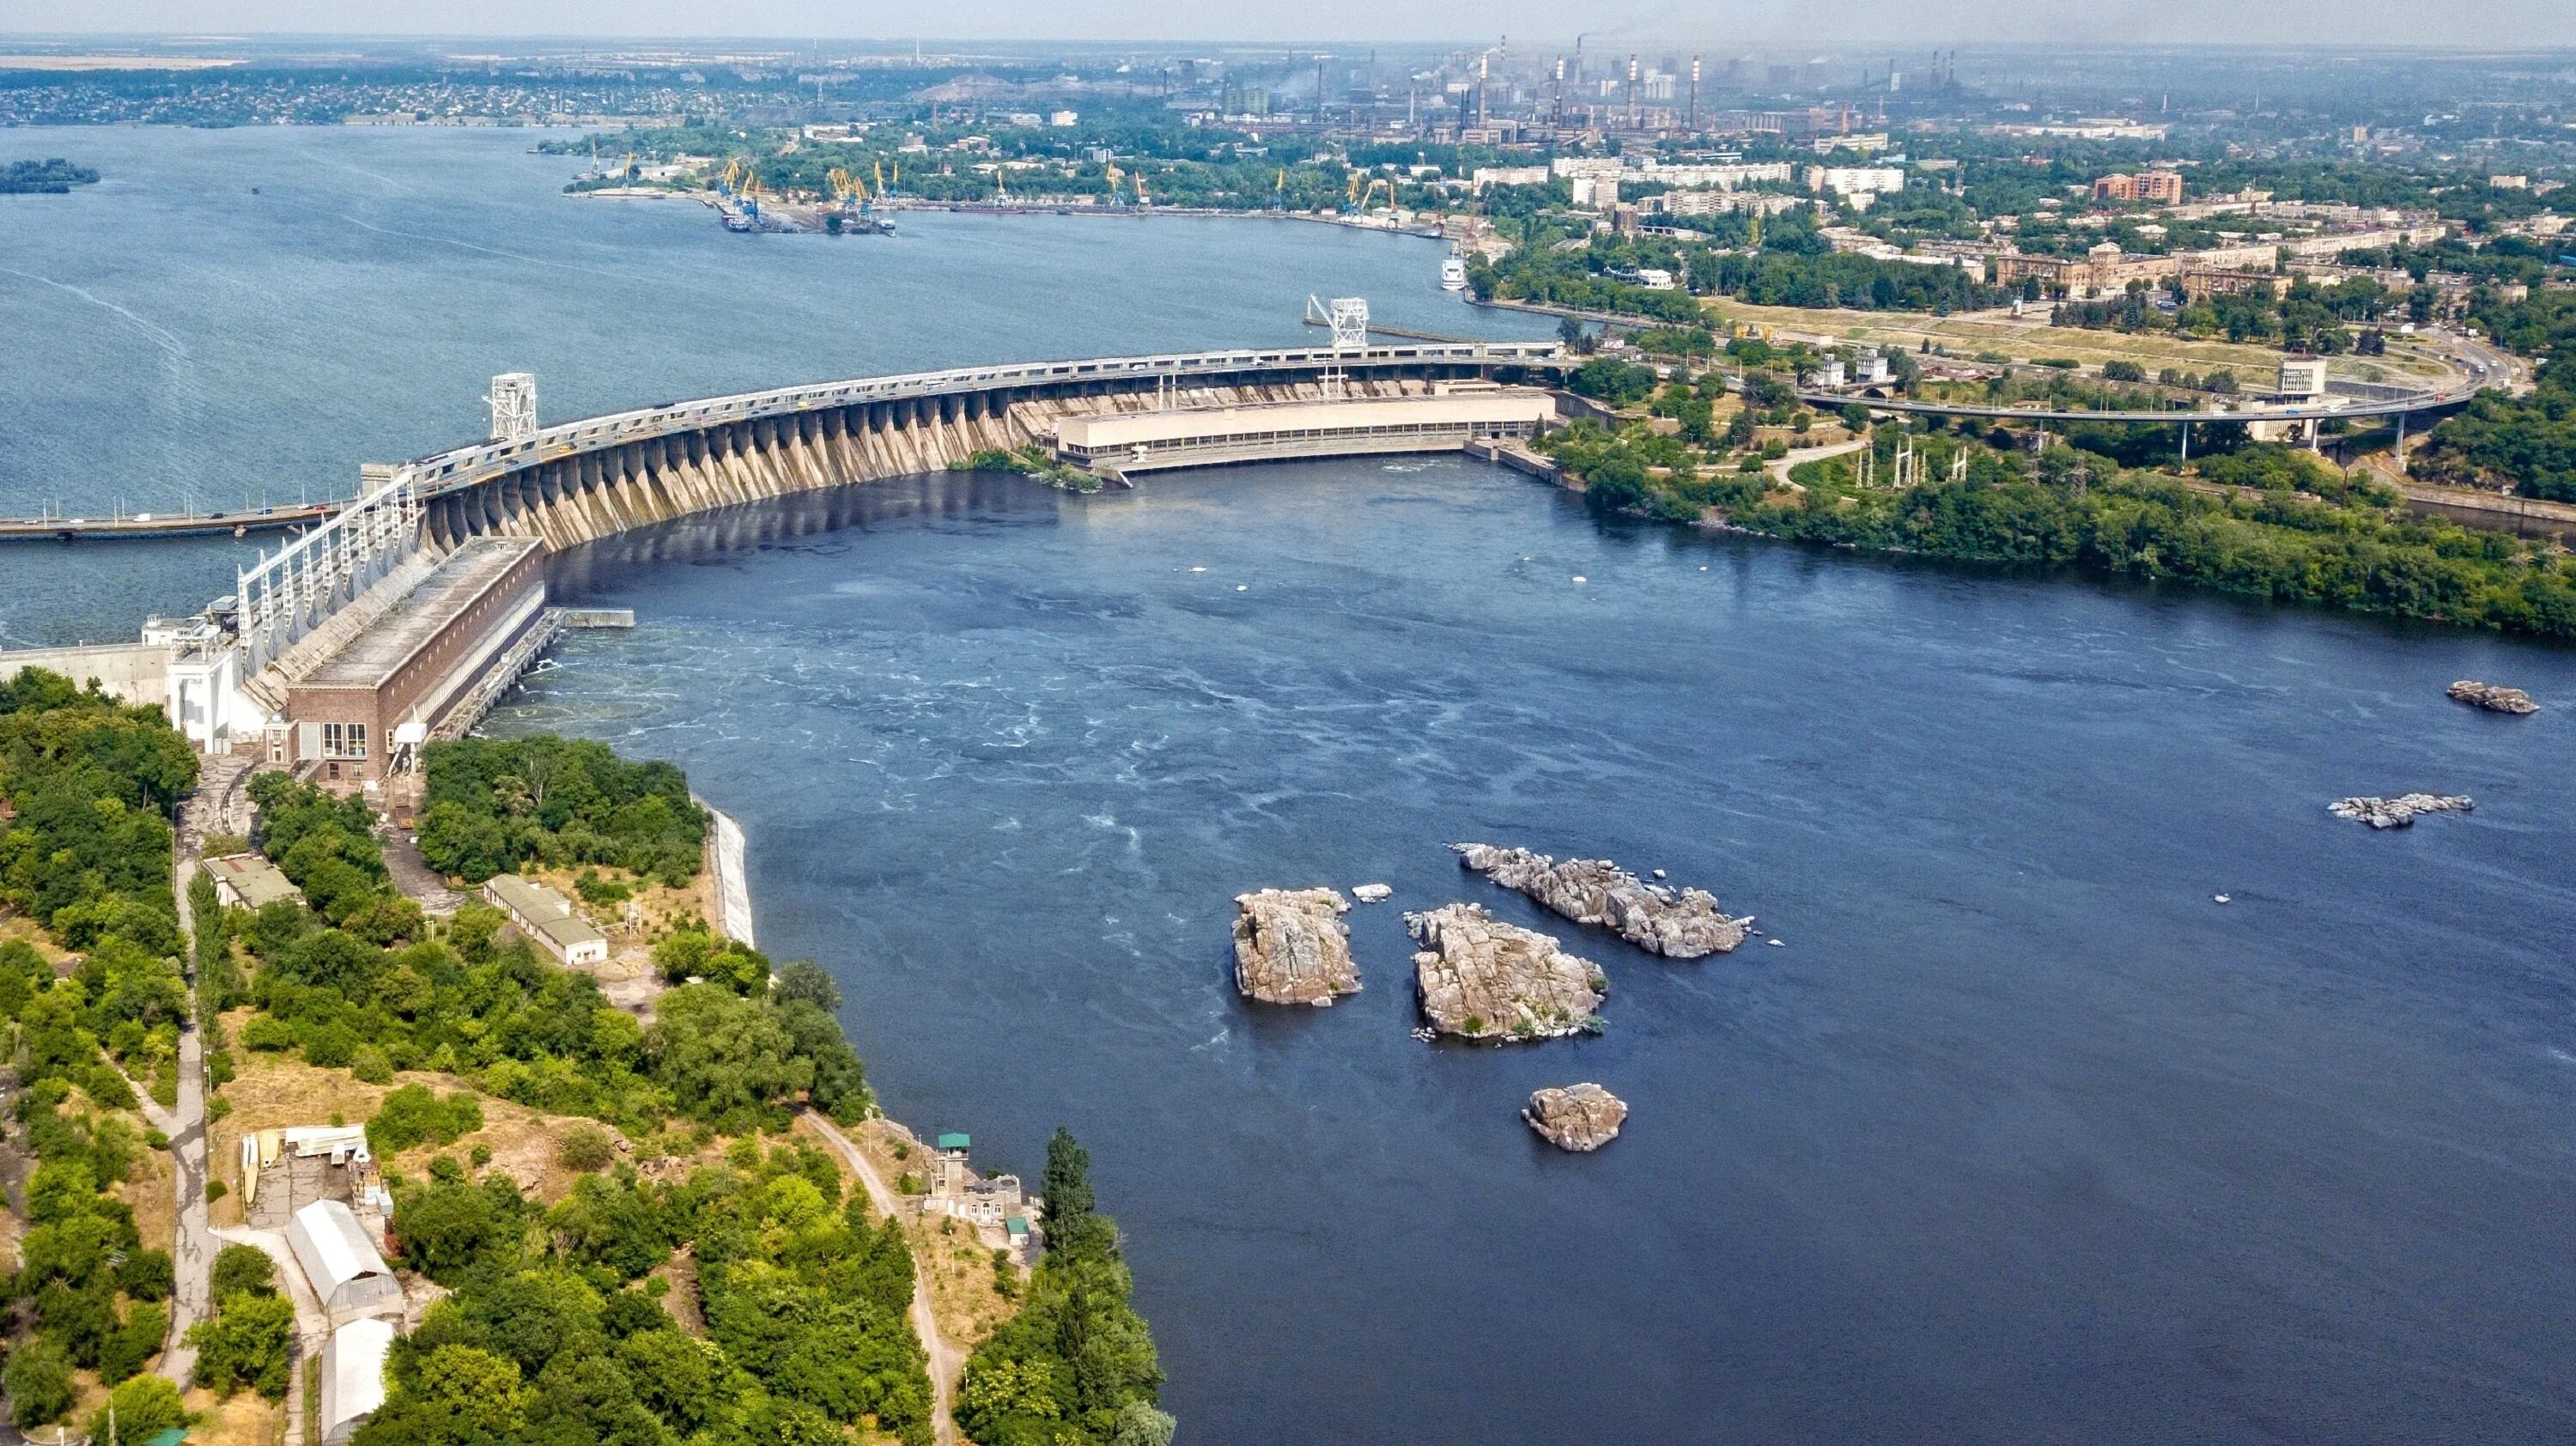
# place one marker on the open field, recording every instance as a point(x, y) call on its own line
point(2029, 337)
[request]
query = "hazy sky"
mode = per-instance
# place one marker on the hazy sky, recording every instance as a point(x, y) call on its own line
point(1538, 23)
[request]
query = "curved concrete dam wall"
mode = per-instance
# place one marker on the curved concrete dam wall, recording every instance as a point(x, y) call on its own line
point(587, 480)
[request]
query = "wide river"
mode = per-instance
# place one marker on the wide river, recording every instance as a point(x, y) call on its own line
point(2021, 1135)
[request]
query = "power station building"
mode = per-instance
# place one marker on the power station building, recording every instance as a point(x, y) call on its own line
point(408, 655)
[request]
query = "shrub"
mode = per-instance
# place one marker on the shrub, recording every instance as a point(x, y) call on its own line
point(242, 1269)
point(146, 1275)
point(585, 1147)
point(142, 1408)
point(41, 1388)
point(414, 1114)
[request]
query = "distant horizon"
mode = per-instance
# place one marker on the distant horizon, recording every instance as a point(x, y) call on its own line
point(1528, 45)
point(2538, 25)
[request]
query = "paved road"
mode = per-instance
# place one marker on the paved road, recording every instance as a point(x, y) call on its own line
point(1779, 466)
point(216, 806)
point(946, 1361)
point(193, 1251)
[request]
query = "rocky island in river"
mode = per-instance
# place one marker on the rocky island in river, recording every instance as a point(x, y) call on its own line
point(1291, 946)
point(1483, 979)
point(1676, 923)
point(2494, 697)
point(1576, 1117)
point(2398, 812)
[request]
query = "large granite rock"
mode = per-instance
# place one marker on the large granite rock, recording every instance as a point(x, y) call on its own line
point(2398, 812)
point(2495, 697)
point(1291, 946)
point(1676, 923)
point(1576, 1117)
point(1486, 980)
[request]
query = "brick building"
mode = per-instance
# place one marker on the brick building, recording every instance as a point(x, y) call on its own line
point(2164, 188)
point(415, 657)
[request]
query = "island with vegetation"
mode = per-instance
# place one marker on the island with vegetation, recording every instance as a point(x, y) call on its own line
point(1030, 461)
point(44, 178)
point(647, 1224)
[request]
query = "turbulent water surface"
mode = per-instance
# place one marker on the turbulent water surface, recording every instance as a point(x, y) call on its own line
point(2020, 1136)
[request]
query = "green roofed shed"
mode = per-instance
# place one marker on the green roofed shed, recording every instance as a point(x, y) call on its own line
point(955, 1141)
point(1017, 1227)
point(167, 1436)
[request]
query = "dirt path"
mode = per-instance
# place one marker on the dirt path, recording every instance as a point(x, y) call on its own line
point(946, 1361)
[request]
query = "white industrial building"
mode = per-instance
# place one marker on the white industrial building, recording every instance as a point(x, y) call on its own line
point(353, 1377)
point(347, 1272)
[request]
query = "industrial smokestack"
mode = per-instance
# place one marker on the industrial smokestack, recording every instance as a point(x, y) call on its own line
point(1694, 96)
point(1633, 120)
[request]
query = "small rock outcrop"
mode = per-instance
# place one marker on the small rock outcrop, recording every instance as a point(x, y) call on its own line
point(2398, 812)
point(1486, 980)
point(1291, 947)
point(1577, 1117)
point(1676, 923)
point(1372, 893)
point(2494, 697)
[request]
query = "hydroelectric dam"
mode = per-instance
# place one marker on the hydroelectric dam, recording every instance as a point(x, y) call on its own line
point(401, 617)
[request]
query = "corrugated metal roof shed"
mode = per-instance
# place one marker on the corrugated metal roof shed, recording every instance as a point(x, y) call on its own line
point(347, 1272)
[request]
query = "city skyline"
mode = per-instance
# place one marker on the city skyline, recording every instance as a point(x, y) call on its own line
point(2524, 24)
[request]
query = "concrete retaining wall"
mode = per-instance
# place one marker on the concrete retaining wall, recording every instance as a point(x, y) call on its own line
point(128, 672)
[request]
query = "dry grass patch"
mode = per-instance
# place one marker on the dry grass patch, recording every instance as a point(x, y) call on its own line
point(681, 1301)
point(2031, 336)
point(149, 1190)
point(246, 1420)
point(956, 1263)
point(274, 1091)
point(20, 927)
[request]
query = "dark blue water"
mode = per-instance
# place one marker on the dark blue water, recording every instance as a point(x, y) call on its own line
point(2020, 1138)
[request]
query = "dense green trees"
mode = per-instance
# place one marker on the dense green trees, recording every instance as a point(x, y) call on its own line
point(2277, 545)
point(495, 804)
point(325, 843)
point(91, 783)
point(555, 1329)
point(86, 851)
point(1077, 1366)
point(249, 1341)
point(2524, 443)
point(96, 1293)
